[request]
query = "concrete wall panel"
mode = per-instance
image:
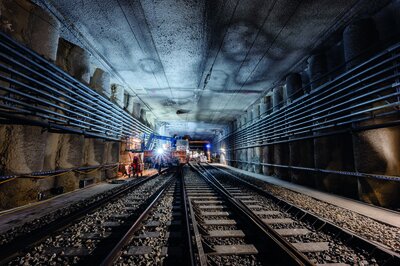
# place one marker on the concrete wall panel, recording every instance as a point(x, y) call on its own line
point(281, 156)
point(302, 155)
point(32, 26)
point(335, 153)
point(100, 82)
point(378, 152)
point(268, 157)
point(25, 150)
point(74, 60)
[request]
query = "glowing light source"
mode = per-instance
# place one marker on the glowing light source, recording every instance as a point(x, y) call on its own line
point(208, 146)
point(160, 151)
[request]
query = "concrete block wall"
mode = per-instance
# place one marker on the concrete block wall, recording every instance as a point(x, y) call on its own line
point(74, 60)
point(335, 153)
point(378, 151)
point(100, 82)
point(374, 151)
point(27, 149)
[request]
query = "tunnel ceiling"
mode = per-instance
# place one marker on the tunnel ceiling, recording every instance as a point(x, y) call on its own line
point(198, 64)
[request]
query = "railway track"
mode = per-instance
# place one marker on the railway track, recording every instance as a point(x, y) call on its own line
point(227, 232)
point(318, 239)
point(199, 215)
point(160, 236)
point(86, 235)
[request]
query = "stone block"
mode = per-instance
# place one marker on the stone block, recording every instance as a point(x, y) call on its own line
point(100, 82)
point(73, 60)
point(268, 157)
point(51, 152)
point(358, 37)
point(302, 155)
point(32, 26)
point(335, 153)
point(317, 68)
point(281, 157)
point(377, 151)
point(18, 192)
point(24, 149)
point(118, 93)
point(71, 151)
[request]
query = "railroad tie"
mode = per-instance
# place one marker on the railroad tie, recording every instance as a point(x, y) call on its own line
point(111, 224)
point(226, 233)
point(220, 222)
point(254, 206)
point(312, 246)
point(332, 264)
point(226, 250)
point(207, 201)
point(243, 197)
point(212, 207)
point(292, 232)
point(215, 213)
point(96, 236)
point(120, 216)
point(139, 250)
point(250, 201)
point(204, 197)
point(148, 234)
point(278, 221)
point(267, 212)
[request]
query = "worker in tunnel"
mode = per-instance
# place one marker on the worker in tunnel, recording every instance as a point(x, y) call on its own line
point(136, 167)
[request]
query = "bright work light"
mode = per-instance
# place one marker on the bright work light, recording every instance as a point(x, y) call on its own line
point(160, 151)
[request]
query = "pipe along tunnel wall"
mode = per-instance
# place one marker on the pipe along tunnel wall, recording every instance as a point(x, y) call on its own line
point(373, 151)
point(28, 149)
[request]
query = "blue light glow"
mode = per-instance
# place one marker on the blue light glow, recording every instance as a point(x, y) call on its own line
point(160, 151)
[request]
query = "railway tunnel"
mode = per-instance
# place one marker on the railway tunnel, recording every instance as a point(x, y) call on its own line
point(296, 100)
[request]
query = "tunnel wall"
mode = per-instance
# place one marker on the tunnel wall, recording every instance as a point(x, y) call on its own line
point(27, 149)
point(342, 153)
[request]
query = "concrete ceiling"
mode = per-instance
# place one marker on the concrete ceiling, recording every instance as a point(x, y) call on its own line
point(209, 59)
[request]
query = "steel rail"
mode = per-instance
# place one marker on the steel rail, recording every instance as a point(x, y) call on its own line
point(13, 248)
point(187, 215)
point(116, 251)
point(278, 246)
point(390, 257)
point(202, 258)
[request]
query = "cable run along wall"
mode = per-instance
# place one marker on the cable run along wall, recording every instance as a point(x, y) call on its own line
point(44, 95)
